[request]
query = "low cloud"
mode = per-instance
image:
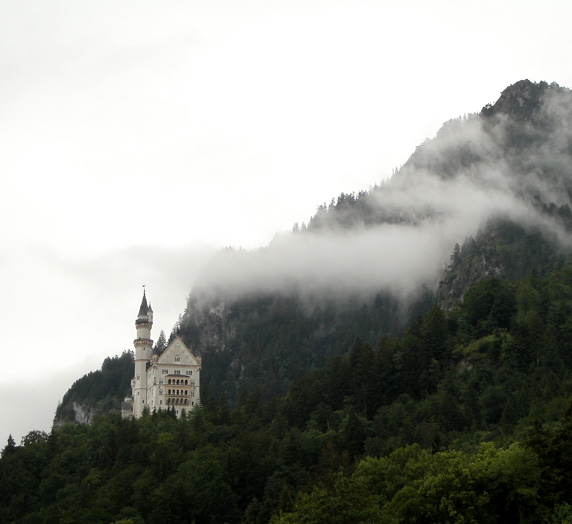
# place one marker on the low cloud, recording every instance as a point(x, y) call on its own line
point(471, 173)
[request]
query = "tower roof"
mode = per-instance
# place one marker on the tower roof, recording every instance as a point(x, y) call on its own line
point(144, 307)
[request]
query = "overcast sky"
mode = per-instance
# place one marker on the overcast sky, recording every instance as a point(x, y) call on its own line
point(137, 136)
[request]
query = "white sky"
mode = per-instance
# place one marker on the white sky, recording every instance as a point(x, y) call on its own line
point(137, 135)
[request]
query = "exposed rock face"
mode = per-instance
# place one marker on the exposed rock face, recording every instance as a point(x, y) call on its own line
point(520, 100)
point(82, 414)
point(204, 322)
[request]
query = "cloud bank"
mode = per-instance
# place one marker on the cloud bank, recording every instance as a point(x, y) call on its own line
point(472, 172)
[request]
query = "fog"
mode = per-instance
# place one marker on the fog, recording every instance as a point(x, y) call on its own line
point(427, 211)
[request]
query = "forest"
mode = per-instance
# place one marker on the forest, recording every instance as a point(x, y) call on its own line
point(465, 418)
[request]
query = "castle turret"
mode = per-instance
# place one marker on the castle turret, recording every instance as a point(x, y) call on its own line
point(143, 349)
point(150, 314)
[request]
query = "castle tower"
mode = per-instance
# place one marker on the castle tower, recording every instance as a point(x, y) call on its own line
point(143, 349)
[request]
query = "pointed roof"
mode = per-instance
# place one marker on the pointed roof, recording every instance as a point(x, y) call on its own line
point(144, 307)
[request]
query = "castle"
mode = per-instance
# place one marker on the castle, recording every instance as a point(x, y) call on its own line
point(169, 380)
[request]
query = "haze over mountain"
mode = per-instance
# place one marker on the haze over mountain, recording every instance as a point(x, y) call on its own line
point(505, 162)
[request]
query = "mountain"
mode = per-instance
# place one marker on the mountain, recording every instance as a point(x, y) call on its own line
point(489, 195)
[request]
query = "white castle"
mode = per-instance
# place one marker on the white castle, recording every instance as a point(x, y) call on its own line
point(166, 381)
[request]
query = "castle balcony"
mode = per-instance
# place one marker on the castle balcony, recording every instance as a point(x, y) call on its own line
point(179, 380)
point(180, 401)
point(177, 391)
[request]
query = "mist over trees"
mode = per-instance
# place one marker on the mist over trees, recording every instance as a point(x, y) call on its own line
point(488, 196)
point(505, 163)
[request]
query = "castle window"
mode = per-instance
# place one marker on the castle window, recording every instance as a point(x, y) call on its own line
point(177, 358)
point(164, 371)
point(177, 371)
point(160, 402)
point(193, 393)
point(192, 382)
point(189, 372)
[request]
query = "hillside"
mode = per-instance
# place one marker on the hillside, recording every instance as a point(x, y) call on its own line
point(97, 392)
point(467, 418)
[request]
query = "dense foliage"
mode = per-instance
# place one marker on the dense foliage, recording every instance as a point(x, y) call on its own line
point(274, 339)
point(466, 418)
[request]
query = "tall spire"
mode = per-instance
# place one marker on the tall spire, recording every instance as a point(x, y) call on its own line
point(144, 307)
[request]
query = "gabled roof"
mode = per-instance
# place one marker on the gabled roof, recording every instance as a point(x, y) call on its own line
point(178, 347)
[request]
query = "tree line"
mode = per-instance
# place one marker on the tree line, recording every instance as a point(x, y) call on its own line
point(465, 419)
